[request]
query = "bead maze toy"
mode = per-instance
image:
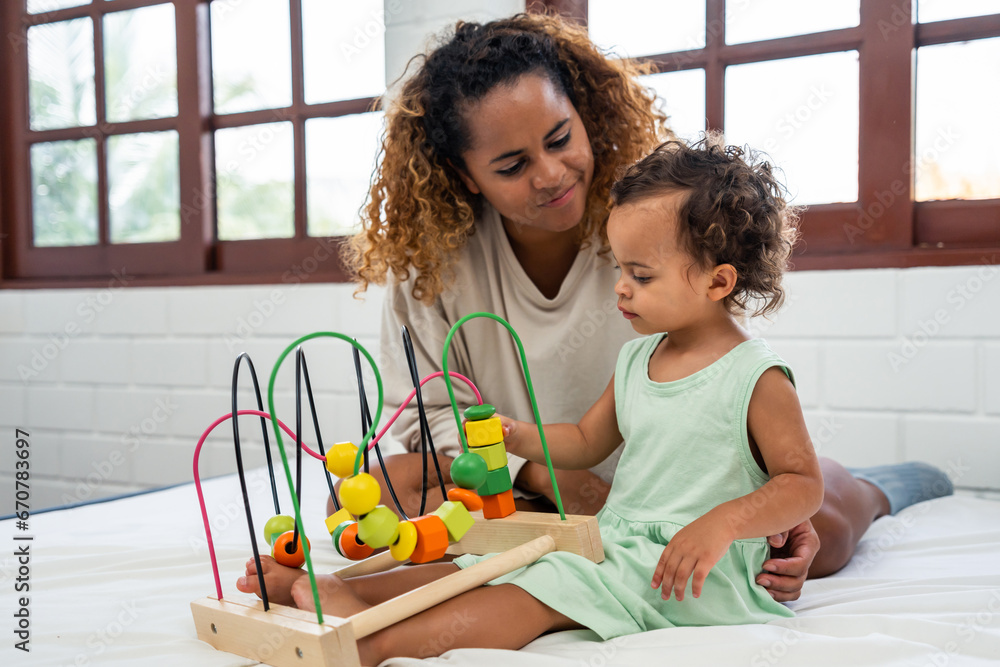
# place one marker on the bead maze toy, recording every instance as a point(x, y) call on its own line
point(478, 517)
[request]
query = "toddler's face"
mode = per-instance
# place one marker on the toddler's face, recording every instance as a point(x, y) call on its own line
point(662, 287)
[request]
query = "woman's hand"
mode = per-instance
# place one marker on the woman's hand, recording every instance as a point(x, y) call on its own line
point(693, 551)
point(786, 570)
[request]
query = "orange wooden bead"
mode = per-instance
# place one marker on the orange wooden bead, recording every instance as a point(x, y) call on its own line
point(499, 505)
point(432, 538)
point(351, 547)
point(467, 497)
point(280, 551)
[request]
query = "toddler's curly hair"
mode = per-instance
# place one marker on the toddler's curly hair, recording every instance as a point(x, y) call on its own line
point(735, 213)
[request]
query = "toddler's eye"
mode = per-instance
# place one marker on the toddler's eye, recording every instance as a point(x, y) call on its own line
point(642, 280)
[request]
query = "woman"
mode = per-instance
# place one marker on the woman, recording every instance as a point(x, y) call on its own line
point(492, 195)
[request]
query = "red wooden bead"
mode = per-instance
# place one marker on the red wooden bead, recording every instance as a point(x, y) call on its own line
point(498, 505)
point(351, 546)
point(467, 497)
point(432, 538)
point(280, 551)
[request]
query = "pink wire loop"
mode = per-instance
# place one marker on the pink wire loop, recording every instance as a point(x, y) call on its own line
point(258, 413)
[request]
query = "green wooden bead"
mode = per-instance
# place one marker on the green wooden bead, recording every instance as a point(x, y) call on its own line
point(476, 412)
point(277, 525)
point(497, 481)
point(469, 470)
point(379, 528)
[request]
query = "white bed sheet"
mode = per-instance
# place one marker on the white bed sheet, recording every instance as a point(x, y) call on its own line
point(111, 584)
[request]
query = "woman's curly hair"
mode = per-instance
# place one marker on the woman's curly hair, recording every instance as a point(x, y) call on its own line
point(418, 213)
point(735, 213)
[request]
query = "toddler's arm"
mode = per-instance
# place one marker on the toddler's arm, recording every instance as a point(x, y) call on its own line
point(793, 494)
point(571, 446)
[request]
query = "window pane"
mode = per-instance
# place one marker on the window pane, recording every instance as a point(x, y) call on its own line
point(140, 64)
point(254, 187)
point(808, 124)
point(753, 20)
point(344, 49)
point(42, 6)
point(956, 155)
point(251, 55)
point(64, 192)
point(144, 187)
point(664, 26)
point(681, 95)
point(340, 156)
point(61, 74)
point(942, 10)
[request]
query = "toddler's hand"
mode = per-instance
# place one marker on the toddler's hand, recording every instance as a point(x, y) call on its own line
point(695, 549)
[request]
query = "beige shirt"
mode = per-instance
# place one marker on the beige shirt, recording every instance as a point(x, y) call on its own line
point(571, 342)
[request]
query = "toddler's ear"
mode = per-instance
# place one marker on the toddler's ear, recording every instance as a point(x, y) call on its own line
point(723, 282)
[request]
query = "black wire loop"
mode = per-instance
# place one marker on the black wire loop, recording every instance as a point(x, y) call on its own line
point(239, 464)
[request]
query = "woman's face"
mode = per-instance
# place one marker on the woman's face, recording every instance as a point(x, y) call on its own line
point(529, 155)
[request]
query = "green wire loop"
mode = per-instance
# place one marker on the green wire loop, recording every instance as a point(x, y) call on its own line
point(284, 457)
point(531, 395)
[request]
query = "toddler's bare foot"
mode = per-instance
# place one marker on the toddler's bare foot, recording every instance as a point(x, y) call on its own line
point(278, 579)
point(335, 596)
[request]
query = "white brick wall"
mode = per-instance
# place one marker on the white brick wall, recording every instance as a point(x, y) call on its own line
point(905, 364)
point(119, 406)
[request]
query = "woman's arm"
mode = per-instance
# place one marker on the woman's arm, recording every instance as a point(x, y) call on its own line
point(571, 446)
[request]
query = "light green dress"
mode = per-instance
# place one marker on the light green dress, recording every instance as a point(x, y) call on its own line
point(686, 451)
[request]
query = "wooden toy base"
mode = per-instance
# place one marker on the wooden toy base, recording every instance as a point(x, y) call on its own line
point(282, 636)
point(285, 636)
point(578, 534)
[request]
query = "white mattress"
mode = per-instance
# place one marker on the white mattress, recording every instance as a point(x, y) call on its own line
point(111, 584)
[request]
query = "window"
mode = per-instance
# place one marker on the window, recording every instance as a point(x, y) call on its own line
point(877, 111)
point(185, 141)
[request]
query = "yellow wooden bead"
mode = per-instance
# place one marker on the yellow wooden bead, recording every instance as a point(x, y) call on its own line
point(456, 519)
point(340, 459)
point(337, 518)
point(379, 528)
point(360, 494)
point(484, 432)
point(405, 543)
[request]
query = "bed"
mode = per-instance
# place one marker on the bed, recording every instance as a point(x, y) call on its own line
point(111, 583)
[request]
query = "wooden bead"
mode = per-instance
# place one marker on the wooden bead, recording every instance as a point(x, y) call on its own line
point(340, 459)
point(350, 546)
point(405, 543)
point(456, 519)
point(484, 432)
point(469, 470)
point(497, 481)
point(498, 505)
point(280, 550)
point(432, 539)
point(379, 528)
point(337, 533)
point(276, 525)
point(360, 494)
point(467, 497)
point(337, 518)
point(494, 455)
point(475, 413)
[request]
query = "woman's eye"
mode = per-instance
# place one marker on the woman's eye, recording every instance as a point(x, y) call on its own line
point(510, 171)
point(560, 142)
